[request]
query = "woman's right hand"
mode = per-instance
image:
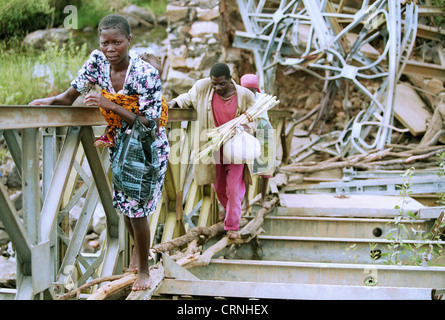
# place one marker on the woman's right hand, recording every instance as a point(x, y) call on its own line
point(42, 102)
point(64, 99)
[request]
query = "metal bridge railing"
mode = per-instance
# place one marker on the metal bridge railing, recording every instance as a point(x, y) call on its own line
point(61, 140)
point(52, 148)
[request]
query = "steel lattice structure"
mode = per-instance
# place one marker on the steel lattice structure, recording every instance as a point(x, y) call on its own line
point(314, 36)
point(52, 148)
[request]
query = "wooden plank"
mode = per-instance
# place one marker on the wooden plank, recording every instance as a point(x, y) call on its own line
point(431, 33)
point(170, 226)
point(431, 10)
point(410, 109)
point(204, 215)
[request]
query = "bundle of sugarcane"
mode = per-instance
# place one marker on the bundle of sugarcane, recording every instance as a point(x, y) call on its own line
point(219, 135)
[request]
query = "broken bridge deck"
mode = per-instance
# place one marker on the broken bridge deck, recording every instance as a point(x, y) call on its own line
point(308, 268)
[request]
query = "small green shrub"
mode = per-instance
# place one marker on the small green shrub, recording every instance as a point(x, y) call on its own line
point(439, 20)
point(17, 17)
point(25, 71)
point(427, 249)
point(157, 6)
point(91, 12)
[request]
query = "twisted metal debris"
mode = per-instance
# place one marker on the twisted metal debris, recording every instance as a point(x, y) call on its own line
point(315, 36)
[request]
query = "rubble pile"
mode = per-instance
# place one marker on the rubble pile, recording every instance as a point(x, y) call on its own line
point(321, 148)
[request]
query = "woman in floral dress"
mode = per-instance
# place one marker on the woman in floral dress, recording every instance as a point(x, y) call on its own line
point(119, 75)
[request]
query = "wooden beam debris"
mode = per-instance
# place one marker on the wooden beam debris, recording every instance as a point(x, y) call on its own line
point(113, 286)
point(393, 157)
point(188, 258)
point(248, 232)
point(76, 292)
point(410, 109)
point(435, 127)
point(198, 234)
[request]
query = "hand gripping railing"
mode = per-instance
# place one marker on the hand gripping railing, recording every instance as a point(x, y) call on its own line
point(60, 139)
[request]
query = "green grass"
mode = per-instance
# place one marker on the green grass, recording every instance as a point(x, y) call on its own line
point(90, 13)
point(157, 6)
point(439, 20)
point(18, 17)
point(19, 83)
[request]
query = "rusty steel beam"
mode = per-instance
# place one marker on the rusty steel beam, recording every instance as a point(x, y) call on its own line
point(428, 70)
point(428, 11)
point(424, 10)
point(430, 33)
point(21, 117)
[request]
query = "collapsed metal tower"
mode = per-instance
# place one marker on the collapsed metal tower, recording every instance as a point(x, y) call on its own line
point(327, 40)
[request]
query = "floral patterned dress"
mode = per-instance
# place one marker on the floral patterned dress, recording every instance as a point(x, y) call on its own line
point(143, 80)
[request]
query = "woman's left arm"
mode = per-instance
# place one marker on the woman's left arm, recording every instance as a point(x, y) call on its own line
point(96, 99)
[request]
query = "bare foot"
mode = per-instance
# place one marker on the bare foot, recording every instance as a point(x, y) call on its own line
point(142, 282)
point(234, 234)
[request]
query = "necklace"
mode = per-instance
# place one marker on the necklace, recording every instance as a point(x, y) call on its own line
point(228, 98)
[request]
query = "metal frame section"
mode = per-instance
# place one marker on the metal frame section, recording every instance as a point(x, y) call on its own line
point(301, 280)
point(52, 147)
point(48, 256)
point(323, 274)
point(350, 174)
point(315, 273)
point(331, 250)
point(392, 187)
point(48, 253)
point(307, 35)
point(288, 291)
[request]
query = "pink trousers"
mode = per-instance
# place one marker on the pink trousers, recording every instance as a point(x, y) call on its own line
point(230, 189)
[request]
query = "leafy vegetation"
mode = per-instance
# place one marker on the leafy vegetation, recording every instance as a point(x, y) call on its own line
point(91, 12)
point(27, 74)
point(426, 249)
point(157, 6)
point(439, 20)
point(407, 245)
point(18, 17)
point(28, 70)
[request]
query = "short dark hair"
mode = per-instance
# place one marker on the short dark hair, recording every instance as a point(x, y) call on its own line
point(114, 21)
point(220, 69)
